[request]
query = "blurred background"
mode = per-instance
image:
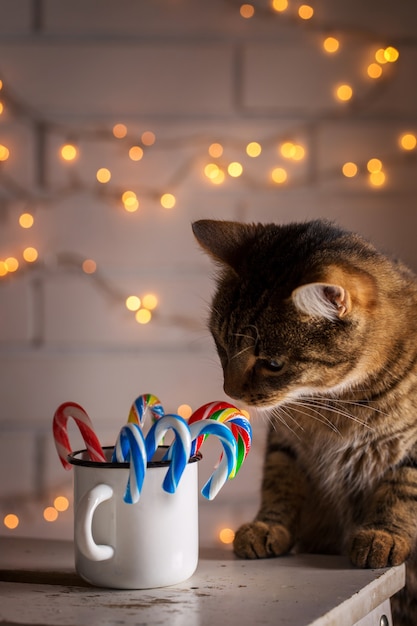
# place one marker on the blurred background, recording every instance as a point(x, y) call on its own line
point(121, 122)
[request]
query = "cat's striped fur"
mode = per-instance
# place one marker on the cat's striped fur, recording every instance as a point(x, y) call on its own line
point(318, 329)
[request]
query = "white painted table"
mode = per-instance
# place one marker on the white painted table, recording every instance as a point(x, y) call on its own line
point(38, 585)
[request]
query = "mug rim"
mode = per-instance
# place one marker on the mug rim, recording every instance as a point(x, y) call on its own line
point(71, 458)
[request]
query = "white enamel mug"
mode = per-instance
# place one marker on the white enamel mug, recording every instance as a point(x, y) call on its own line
point(153, 543)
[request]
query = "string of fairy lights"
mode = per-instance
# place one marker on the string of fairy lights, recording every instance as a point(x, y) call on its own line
point(279, 161)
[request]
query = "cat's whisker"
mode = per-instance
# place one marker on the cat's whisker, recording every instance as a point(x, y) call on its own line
point(319, 403)
point(317, 415)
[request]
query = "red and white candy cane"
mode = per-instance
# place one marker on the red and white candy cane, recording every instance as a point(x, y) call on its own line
point(59, 427)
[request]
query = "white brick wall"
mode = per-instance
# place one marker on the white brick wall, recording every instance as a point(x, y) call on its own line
point(193, 72)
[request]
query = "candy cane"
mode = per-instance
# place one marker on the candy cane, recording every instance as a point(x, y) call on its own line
point(130, 447)
point(227, 463)
point(59, 426)
point(202, 413)
point(137, 413)
point(179, 450)
point(241, 429)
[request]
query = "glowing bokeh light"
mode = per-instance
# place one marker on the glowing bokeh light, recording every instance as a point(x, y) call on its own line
point(143, 316)
point(30, 254)
point(331, 45)
point(26, 220)
point(150, 301)
point(103, 175)
point(349, 169)
point(61, 503)
point(377, 179)
point(50, 514)
point(119, 131)
point(4, 153)
point(247, 11)
point(344, 92)
point(305, 11)
point(135, 153)
point(226, 535)
point(279, 5)
point(185, 411)
point(168, 201)
point(279, 175)
point(253, 149)
point(408, 141)
point(148, 138)
point(133, 303)
point(235, 169)
point(374, 70)
point(89, 266)
point(215, 150)
point(68, 152)
point(374, 165)
point(11, 521)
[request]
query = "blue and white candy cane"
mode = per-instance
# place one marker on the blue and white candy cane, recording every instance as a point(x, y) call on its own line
point(130, 447)
point(226, 467)
point(179, 450)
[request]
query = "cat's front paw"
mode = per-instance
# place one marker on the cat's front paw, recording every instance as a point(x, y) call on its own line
point(378, 548)
point(259, 540)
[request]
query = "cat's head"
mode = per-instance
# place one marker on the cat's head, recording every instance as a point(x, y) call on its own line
point(293, 308)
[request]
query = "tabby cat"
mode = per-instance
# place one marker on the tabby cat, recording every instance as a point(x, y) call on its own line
point(318, 329)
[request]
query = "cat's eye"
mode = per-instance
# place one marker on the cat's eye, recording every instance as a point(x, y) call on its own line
point(273, 365)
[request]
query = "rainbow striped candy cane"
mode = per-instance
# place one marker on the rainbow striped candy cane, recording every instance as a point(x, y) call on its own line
point(180, 448)
point(205, 412)
point(227, 464)
point(130, 447)
point(141, 405)
point(59, 427)
point(241, 429)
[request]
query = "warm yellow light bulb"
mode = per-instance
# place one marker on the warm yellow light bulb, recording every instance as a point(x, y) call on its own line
point(344, 92)
point(3, 269)
point(253, 149)
point(1, 85)
point(349, 169)
point(168, 201)
point(130, 201)
point(68, 152)
point(103, 175)
point(374, 70)
point(219, 179)
point(287, 149)
point(30, 254)
point(215, 150)
point(26, 220)
point(4, 153)
point(408, 141)
point(143, 316)
point(279, 175)
point(1, 107)
point(11, 521)
point(150, 301)
point(133, 303)
point(331, 45)
point(235, 169)
point(247, 11)
point(89, 266)
point(135, 153)
point(279, 5)
point(119, 131)
point(306, 12)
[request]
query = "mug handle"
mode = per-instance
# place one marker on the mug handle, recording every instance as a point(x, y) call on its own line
point(84, 521)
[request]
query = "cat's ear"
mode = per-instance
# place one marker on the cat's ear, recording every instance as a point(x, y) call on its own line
point(322, 300)
point(224, 241)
